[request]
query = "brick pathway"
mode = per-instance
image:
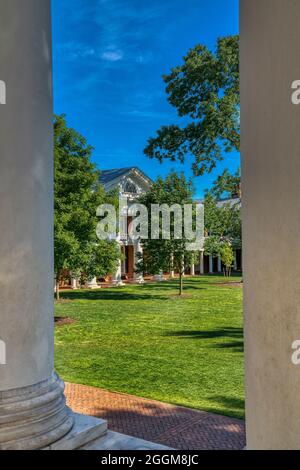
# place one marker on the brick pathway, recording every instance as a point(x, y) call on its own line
point(173, 426)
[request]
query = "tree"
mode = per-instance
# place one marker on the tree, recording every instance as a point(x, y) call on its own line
point(223, 229)
point(223, 219)
point(227, 257)
point(205, 91)
point(77, 194)
point(227, 184)
point(167, 254)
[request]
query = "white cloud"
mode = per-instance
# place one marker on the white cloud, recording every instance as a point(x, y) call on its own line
point(112, 56)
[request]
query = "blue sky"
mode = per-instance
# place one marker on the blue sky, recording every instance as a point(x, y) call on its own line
point(109, 58)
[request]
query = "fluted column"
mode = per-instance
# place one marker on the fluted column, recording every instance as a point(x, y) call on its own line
point(74, 282)
point(32, 405)
point(138, 249)
point(270, 51)
point(219, 264)
point(235, 266)
point(117, 276)
point(211, 264)
point(92, 283)
point(201, 262)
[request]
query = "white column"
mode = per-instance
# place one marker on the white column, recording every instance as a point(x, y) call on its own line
point(123, 261)
point(201, 262)
point(137, 248)
point(32, 404)
point(235, 266)
point(211, 264)
point(92, 284)
point(183, 270)
point(270, 141)
point(172, 272)
point(219, 264)
point(192, 269)
point(74, 281)
point(117, 277)
point(159, 277)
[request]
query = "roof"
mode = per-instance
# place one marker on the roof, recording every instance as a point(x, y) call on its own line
point(107, 176)
point(230, 201)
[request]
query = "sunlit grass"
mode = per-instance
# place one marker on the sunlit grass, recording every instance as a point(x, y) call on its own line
point(147, 341)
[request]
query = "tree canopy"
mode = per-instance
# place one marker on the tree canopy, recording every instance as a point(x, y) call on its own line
point(167, 254)
point(228, 185)
point(77, 194)
point(205, 92)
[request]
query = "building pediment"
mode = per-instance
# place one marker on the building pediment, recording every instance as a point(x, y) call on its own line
point(131, 182)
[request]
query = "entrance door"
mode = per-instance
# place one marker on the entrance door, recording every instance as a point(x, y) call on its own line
point(129, 261)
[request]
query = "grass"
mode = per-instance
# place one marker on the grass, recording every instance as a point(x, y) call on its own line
point(149, 342)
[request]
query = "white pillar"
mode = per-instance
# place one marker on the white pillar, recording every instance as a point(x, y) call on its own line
point(117, 277)
point(32, 404)
point(270, 141)
point(172, 272)
point(192, 269)
point(183, 270)
point(92, 284)
point(137, 248)
point(201, 262)
point(74, 281)
point(159, 277)
point(211, 264)
point(235, 266)
point(123, 261)
point(219, 264)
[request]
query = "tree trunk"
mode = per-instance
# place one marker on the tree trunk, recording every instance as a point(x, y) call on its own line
point(57, 290)
point(180, 282)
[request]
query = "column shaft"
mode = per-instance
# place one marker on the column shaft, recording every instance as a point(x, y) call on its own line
point(270, 51)
point(201, 262)
point(211, 264)
point(32, 406)
point(219, 264)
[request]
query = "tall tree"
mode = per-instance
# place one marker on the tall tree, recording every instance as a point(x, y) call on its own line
point(223, 219)
point(77, 194)
point(205, 92)
point(227, 184)
point(167, 254)
point(223, 228)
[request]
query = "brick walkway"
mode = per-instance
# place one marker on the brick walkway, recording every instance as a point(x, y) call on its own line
point(173, 426)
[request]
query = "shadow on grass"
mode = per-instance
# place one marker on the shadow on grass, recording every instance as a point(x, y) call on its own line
point(187, 285)
point(229, 402)
point(234, 334)
point(107, 294)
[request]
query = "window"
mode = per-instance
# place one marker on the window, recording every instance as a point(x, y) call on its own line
point(130, 188)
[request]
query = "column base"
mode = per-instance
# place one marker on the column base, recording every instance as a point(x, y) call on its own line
point(93, 286)
point(86, 430)
point(34, 417)
point(118, 283)
point(37, 417)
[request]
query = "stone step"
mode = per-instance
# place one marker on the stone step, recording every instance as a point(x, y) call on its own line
point(116, 441)
point(86, 429)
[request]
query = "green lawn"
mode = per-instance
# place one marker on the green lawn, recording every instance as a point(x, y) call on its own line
point(147, 341)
